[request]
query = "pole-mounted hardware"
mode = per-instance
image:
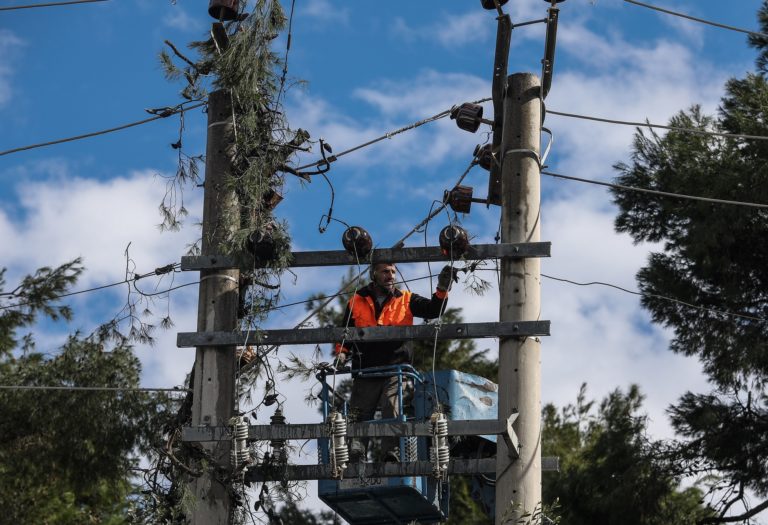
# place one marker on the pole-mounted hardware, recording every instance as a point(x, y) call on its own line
point(454, 241)
point(393, 255)
point(498, 87)
point(504, 330)
point(460, 198)
point(548, 62)
point(224, 10)
point(469, 116)
point(357, 241)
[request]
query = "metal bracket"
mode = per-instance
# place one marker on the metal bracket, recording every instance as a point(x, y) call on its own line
point(510, 438)
point(459, 427)
point(395, 255)
point(499, 86)
point(362, 335)
point(260, 473)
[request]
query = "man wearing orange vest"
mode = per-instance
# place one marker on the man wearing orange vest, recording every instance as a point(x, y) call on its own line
point(380, 303)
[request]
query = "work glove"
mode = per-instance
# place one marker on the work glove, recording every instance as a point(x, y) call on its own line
point(447, 277)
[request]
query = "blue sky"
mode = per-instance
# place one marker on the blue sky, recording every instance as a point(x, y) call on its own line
point(368, 68)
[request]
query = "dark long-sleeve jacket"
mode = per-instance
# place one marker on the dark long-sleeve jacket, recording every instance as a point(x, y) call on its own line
point(398, 309)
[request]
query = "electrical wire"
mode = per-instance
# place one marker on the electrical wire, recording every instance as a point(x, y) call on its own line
point(50, 4)
point(389, 135)
point(158, 271)
point(164, 114)
point(92, 388)
point(700, 20)
point(285, 58)
point(657, 192)
point(660, 126)
point(656, 296)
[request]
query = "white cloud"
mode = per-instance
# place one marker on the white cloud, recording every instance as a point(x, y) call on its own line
point(450, 31)
point(479, 25)
point(624, 82)
point(71, 217)
point(324, 11)
point(9, 45)
point(65, 216)
point(179, 19)
point(396, 104)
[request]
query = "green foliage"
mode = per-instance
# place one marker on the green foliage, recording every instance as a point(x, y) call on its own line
point(715, 258)
point(262, 143)
point(610, 472)
point(34, 296)
point(67, 456)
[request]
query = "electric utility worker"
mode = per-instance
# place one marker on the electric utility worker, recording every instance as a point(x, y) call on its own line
point(380, 303)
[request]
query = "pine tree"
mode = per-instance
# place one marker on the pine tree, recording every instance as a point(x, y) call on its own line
point(715, 263)
point(610, 472)
point(67, 456)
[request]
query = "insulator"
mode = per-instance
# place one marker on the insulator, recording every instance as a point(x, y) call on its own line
point(411, 449)
point(277, 419)
point(454, 241)
point(489, 4)
point(271, 199)
point(459, 198)
point(439, 452)
point(484, 155)
point(239, 453)
point(261, 245)
point(468, 116)
point(357, 242)
point(224, 10)
point(339, 436)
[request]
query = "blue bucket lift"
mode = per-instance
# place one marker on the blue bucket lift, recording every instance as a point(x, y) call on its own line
point(425, 499)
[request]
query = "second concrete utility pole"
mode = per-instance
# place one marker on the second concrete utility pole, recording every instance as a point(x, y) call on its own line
point(518, 481)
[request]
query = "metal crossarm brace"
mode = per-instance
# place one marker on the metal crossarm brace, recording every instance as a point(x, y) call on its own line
point(395, 255)
point(362, 335)
point(380, 470)
point(471, 427)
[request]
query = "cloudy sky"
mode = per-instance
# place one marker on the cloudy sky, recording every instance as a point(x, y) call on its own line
point(366, 68)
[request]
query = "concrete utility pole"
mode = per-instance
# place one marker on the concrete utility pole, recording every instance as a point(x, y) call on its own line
point(518, 481)
point(213, 402)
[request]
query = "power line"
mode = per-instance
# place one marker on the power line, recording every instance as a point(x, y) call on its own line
point(167, 112)
point(656, 296)
point(158, 271)
point(700, 20)
point(51, 4)
point(661, 126)
point(389, 135)
point(657, 192)
point(92, 388)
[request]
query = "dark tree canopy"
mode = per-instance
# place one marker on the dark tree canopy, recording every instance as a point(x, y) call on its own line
point(714, 254)
point(715, 259)
point(611, 473)
point(67, 456)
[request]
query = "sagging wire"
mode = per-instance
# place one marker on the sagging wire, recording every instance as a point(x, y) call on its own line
point(388, 135)
point(164, 113)
point(336, 421)
point(647, 124)
point(439, 451)
point(49, 4)
point(399, 244)
point(549, 145)
point(637, 189)
point(324, 146)
point(285, 59)
point(700, 20)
